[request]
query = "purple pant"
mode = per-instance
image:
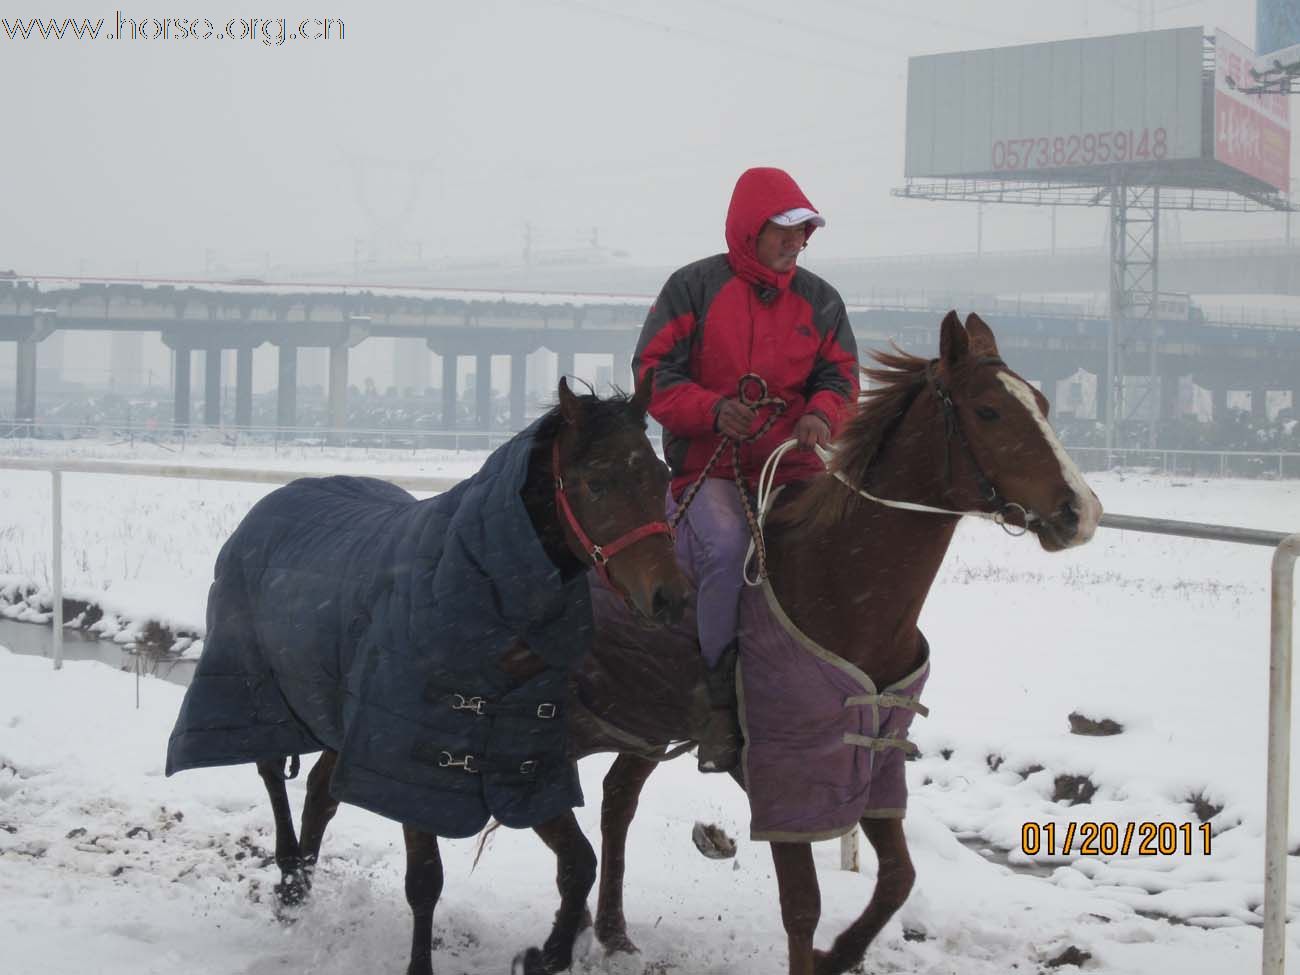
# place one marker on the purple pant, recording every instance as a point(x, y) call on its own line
point(711, 543)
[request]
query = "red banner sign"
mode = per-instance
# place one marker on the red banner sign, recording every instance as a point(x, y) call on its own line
point(1252, 133)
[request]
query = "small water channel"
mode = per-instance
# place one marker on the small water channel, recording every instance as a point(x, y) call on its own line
point(38, 641)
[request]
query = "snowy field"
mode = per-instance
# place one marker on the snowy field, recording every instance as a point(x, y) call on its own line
point(105, 866)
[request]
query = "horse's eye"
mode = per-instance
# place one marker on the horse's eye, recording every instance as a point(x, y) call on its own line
point(986, 413)
point(596, 488)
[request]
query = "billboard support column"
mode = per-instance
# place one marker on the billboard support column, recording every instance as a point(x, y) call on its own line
point(1113, 395)
point(1153, 319)
point(1134, 297)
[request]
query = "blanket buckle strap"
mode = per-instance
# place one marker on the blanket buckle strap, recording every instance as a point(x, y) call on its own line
point(462, 703)
point(468, 762)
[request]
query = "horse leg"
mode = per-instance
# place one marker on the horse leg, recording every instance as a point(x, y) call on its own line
point(292, 888)
point(317, 811)
point(622, 790)
point(423, 887)
point(894, 878)
point(801, 904)
point(575, 874)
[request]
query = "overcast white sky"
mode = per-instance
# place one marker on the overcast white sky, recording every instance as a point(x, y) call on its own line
point(475, 118)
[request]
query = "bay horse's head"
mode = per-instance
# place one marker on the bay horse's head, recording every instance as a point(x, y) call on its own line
point(999, 443)
point(610, 495)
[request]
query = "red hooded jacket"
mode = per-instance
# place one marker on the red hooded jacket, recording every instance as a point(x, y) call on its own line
point(729, 315)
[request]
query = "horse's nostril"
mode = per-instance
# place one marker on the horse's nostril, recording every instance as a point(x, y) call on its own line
point(1069, 514)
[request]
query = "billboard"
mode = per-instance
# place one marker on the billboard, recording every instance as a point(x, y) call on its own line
point(1057, 110)
point(1252, 133)
point(1277, 25)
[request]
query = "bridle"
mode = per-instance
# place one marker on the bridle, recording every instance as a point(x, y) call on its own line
point(952, 431)
point(952, 428)
point(599, 554)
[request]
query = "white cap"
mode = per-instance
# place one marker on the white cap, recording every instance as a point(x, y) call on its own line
point(792, 218)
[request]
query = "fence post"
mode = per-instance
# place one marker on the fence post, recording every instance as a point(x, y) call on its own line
point(1279, 756)
point(849, 850)
point(56, 523)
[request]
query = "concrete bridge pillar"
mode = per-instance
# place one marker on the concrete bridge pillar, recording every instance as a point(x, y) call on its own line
point(182, 365)
point(212, 387)
point(338, 385)
point(1169, 388)
point(25, 386)
point(564, 364)
point(483, 390)
point(244, 386)
point(1259, 403)
point(622, 377)
point(1049, 379)
point(518, 397)
point(449, 390)
point(1103, 403)
point(286, 402)
point(1219, 401)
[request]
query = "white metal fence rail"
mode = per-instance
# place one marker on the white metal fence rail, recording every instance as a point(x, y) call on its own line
point(1200, 463)
point(1282, 596)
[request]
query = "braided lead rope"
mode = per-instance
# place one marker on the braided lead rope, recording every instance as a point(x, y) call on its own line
point(763, 400)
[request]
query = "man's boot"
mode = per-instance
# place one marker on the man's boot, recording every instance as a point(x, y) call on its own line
point(721, 740)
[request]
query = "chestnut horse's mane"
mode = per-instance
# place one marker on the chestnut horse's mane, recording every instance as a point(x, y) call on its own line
point(826, 501)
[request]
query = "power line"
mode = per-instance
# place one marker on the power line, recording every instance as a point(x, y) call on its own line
point(859, 5)
point(728, 43)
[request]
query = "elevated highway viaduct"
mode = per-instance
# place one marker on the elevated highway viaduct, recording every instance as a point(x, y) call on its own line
point(1044, 346)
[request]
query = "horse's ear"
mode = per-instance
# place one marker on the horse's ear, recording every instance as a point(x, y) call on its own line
point(570, 408)
point(645, 386)
point(953, 342)
point(982, 341)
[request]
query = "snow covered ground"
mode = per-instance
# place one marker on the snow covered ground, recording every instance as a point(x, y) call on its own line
point(105, 866)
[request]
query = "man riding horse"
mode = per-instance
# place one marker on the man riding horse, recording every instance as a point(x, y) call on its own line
point(748, 347)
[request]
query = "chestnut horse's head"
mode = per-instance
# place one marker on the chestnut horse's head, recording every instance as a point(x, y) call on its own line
point(1000, 443)
point(610, 495)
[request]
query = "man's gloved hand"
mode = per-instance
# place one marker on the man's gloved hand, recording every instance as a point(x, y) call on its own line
point(734, 419)
point(812, 429)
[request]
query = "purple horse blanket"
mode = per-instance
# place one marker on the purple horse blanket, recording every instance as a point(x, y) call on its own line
point(823, 746)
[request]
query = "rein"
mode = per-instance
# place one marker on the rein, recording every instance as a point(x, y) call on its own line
point(599, 554)
point(952, 429)
point(755, 519)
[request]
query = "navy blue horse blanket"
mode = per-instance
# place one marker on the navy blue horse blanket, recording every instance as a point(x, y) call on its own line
point(345, 614)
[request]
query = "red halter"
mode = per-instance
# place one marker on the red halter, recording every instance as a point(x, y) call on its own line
point(599, 554)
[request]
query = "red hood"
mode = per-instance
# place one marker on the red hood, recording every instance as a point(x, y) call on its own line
point(759, 194)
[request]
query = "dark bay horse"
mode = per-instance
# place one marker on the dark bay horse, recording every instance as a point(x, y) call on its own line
point(283, 677)
point(961, 433)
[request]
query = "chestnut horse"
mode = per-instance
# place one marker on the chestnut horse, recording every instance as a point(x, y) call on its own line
point(592, 474)
point(961, 433)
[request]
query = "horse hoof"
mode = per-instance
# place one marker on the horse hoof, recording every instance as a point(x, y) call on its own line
point(824, 964)
point(292, 892)
point(618, 943)
point(528, 962)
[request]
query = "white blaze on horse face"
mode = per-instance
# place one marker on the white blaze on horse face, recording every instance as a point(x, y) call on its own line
point(1086, 503)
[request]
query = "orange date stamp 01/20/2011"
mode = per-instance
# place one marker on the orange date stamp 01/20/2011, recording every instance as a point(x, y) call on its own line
point(1111, 838)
